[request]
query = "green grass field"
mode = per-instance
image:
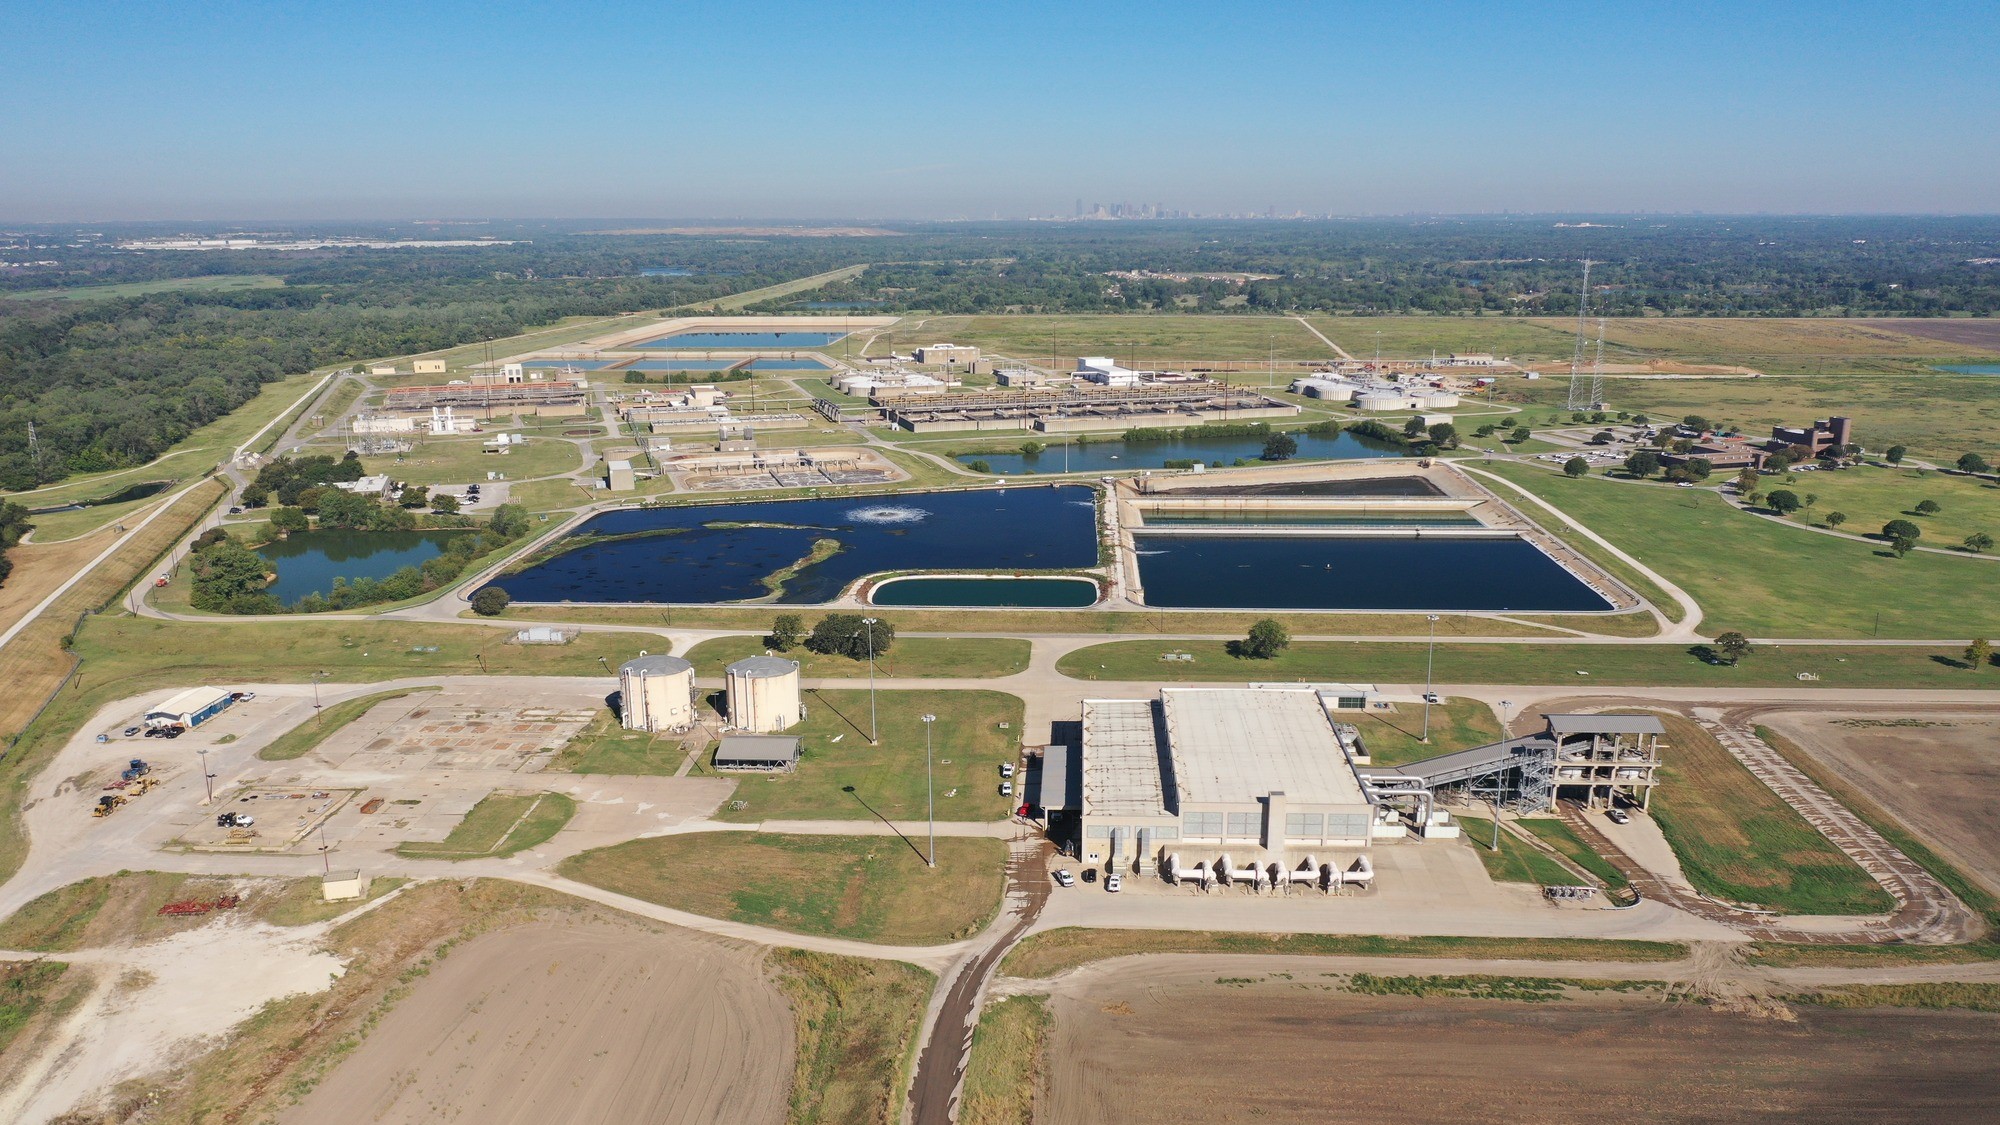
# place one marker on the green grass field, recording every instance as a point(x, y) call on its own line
point(501, 824)
point(857, 1021)
point(1516, 861)
point(461, 460)
point(216, 283)
point(870, 888)
point(1005, 1071)
point(606, 747)
point(25, 987)
point(929, 657)
point(969, 742)
point(300, 740)
point(1634, 665)
point(1156, 341)
point(1767, 580)
point(1049, 952)
point(1394, 739)
point(1871, 497)
point(1739, 841)
point(1564, 839)
point(1417, 337)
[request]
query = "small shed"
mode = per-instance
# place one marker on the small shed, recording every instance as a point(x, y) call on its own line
point(771, 752)
point(343, 886)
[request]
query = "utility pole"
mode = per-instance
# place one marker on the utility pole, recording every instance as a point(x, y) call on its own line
point(874, 738)
point(207, 778)
point(1429, 656)
point(930, 792)
point(318, 718)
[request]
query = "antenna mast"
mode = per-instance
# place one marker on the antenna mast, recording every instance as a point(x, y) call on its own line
point(1576, 387)
point(1597, 370)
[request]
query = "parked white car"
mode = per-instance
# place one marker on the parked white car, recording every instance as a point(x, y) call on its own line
point(1114, 882)
point(1064, 879)
point(1006, 769)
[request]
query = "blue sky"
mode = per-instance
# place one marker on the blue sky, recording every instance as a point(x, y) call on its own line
point(426, 108)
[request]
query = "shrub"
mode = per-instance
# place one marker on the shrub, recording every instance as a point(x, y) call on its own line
point(490, 602)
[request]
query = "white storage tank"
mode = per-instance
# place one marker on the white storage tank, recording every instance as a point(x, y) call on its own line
point(656, 693)
point(763, 694)
point(1436, 400)
point(1382, 400)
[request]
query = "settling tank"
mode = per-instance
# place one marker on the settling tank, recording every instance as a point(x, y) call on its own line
point(763, 694)
point(656, 693)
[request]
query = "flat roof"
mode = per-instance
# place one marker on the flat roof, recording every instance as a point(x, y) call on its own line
point(1606, 724)
point(761, 667)
point(1122, 773)
point(1054, 783)
point(188, 702)
point(758, 748)
point(1233, 745)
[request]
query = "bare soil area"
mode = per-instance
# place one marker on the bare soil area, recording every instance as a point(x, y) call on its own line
point(573, 1022)
point(1983, 333)
point(1935, 772)
point(1177, 1046)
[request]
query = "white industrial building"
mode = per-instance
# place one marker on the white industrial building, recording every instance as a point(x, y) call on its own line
point(189, 708)
point(656, 693)
point(1375, 396)
point(762, 694)
point(1105, 371)
point(949, 355)
point(867, 383)
point(1210, 770)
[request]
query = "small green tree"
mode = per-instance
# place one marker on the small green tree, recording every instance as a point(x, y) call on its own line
point(1902, 529)
point(1927, 508)
point(847, 634)
point(1267, 639)
point(1576, 467)
point(1894, 454)
point(786, 632)
point(1783, 501)
point(1902, 545)
point(1280, 447)
point(289, 520)
point(1973, 463)
point(1032, 447)
point(1747, 479)
point(1444, 434)
point(490, 602)
point(979, 466)
point(444, 504)
point(1978, 541)
point(1978, 653)
point(1520, 434)
point(1810, 499)
point(414, 496)
point(1732, 646)
point(1835, 519)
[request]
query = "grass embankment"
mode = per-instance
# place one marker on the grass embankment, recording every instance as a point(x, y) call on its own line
point(26, 987)
point(870, 888)
point(1005, 1072)
point(857, 1022)
point(1764, 579)
point(1482, 986)
point(302, 740)
point(1050, 952)
point(1562, 838)
point(1601, 665)
point(750, 297)
point(1517, 861)
point(499, 825)
point(975, 731)
point(1978, 997)
point(1968, 890)
point(1456, 724)
point(1738, 841)
point(213, 283)
point(123, 909)
point(775, 582)
point(982, 658)
point(606, 747)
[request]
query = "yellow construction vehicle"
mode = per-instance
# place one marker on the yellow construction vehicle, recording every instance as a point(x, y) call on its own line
point(108, 804)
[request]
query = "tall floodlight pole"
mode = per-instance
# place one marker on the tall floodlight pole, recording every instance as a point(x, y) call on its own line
point(207, 782)
point(874, 732)
point(317, 717)
point(1429, 655)
point(930, 793)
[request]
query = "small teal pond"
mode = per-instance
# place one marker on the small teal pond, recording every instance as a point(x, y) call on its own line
point(1973, 369)
point(1100, 456)
point(309, 561)
point(700, 341)
point(960, 592)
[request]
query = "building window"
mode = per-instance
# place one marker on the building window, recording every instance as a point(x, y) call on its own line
point(1163, 833)
point(1097, 832)
point(1244, 824)
point(1202, 823)
point(1347, 824)
point(1302, 824)
point(1352, 702)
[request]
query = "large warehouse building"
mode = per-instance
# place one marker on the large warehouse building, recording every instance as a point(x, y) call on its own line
point(1215, 768)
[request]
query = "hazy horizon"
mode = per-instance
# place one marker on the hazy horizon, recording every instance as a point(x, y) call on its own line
point(900, 112)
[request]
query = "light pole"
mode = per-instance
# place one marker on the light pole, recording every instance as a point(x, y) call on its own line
point(207, 778)
point(874, 732)
point(1506, 706)
point(1429, 655)
point(318, 719)
point(930, 792)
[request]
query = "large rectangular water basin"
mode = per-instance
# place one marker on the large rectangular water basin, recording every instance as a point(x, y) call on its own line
point(738, 341)
point(1426, 572)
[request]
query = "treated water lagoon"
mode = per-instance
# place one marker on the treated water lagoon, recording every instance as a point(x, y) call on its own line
point(309, 561)
point(711, 553)
point(1098, 456)
point(1431, 572)
point(964, 591)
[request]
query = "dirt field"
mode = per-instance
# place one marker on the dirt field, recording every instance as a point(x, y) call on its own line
point(573, 1022)
point(1983, 333)
point(1937, 774)
point(1175, 1046)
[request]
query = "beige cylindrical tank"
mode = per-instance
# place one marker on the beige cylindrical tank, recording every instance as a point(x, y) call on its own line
point(1437, 400)
point(656, 693)
point(763, 694)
